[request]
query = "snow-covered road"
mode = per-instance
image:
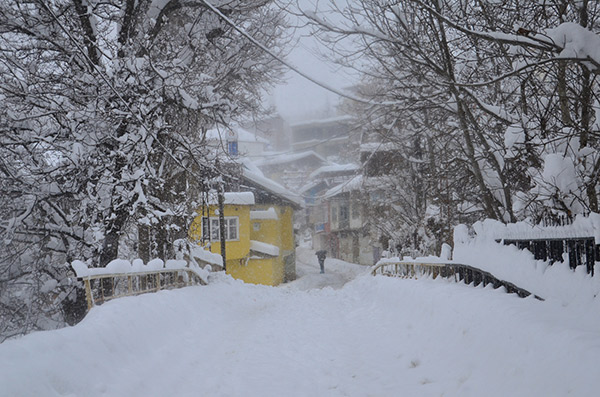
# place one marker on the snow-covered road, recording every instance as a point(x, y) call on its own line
point(337, 272)
point(365, 336)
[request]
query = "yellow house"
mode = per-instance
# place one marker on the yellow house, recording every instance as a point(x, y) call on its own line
point(259, 231)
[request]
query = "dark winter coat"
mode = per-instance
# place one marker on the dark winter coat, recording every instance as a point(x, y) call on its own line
point(322, 254)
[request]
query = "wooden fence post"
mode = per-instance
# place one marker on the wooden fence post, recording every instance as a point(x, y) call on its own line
point(88, 294)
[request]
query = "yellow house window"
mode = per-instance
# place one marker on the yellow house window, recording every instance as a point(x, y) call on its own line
point(213, 232)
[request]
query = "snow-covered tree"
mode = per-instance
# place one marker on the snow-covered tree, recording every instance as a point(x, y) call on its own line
point(104, 104)
point(501, 94)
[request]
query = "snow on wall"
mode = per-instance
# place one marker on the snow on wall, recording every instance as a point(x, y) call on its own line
point(582, 227)
point(557, 281)
point(478, 247)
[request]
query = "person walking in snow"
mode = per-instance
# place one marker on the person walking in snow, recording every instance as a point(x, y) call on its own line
point(321, 255)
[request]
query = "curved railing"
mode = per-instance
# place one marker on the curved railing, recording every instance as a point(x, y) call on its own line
point(100, 288)
point(456, 271)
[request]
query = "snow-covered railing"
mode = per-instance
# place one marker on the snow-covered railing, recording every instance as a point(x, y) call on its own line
point(454, 271)
point(578, 242)
point(121, 278)
point(578, 251)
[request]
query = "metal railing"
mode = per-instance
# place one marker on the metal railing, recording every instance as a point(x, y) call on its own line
point(100, 288)
point(582, 251)
point(454, 271)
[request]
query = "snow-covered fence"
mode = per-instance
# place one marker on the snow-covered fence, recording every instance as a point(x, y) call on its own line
point(576, 242)
point(454, 271)
point(578, 251)
point(121, 278)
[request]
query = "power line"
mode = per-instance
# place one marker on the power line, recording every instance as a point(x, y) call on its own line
point(283, 61)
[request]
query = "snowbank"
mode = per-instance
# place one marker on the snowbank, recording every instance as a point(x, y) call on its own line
point(582, 227)
point(507, 262)
point(374, 336)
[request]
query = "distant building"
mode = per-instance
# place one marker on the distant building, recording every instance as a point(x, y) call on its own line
point(292, 170)
point(274, 129)
point(330, 138)
point(236, 141)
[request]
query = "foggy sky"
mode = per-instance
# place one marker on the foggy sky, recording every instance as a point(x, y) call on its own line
point(300, 98)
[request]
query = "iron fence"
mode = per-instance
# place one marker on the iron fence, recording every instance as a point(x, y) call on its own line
point(454, 271)
point(580, 251)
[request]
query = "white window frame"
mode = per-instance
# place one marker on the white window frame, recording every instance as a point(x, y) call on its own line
point(344, 215)
point(215, 229)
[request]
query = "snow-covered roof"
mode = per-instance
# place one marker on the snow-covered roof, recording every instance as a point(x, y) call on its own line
point(264, 214)
point(316, 142)
point(311, 185)
point(233, 198)
point(334, 168)
point(222, 133)
point(352, 184)
point(284, 158)
point(378, 147)
point(330, 120)
point(250, 165)
point(239, 198)
point(264, 248)
point(272, 186)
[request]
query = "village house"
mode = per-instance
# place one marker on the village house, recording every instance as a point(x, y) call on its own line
point(331, 138)
point(292, 170)
point(259, 229)
point(236, 141)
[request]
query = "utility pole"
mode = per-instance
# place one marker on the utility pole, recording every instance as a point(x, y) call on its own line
point(221, 202)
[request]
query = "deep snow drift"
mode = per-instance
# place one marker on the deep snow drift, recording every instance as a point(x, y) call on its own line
point(365, 336)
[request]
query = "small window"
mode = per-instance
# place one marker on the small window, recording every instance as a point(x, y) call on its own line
point(355, 211)
point(211, 232)
point(232, 230)
point(343, 213)
point(232, 148)
point(334, 214)
point(214, 231)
